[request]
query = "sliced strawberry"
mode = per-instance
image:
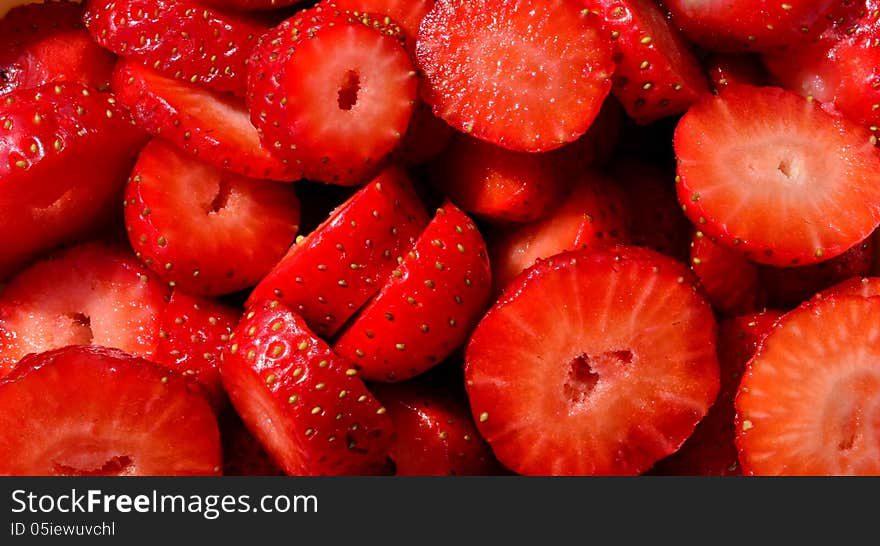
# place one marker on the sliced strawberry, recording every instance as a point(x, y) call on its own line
point(307, 406)
point(528, 76)
point(755, 25)
point(64, 155)
point(181, 39)
point(807, 403)
point(771, 174)
point(426, 136)
point(94, 411)
point(212, 126)
point(732, 283)
point(203, 229)
point(596, 146)
point(593, 215)
point(727, 68)
point(656, 74)
point(47, 43)
point(89, 294)
point(242, 453)
point(328, 275)
point(251, 5)
point(593, 362)
point(867, 287)
point(406, 13)
point(428, 306)
point(436, 435)
point(193, 332)
point(711, 450)
point(332, 93)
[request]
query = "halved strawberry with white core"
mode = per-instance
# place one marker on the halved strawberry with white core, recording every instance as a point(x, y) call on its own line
point(526, 75)
point(203, 229)
point(307, 406)
point(593, 362)
point(94, 411)
point(328, 275)
point(772, 175)
point(181, 39)
point(428, 306)
point(332, 93)
point(89, 294)
point(732, 283)
point(809, 401)
point(214, 127)
point(656, 75)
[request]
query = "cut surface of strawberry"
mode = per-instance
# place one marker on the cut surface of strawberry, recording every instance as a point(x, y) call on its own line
point(771, 174)
point(527, 75)
point(94, 411)
point(593, 362)
point(203, 229)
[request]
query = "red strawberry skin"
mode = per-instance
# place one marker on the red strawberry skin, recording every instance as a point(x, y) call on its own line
point(307, 406)
point(743, 69)
point(428, 306)
point(88, 411)
point(47, 42)
point(732, 283)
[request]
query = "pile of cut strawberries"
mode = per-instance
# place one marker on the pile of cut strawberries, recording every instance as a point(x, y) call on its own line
point(462, 237)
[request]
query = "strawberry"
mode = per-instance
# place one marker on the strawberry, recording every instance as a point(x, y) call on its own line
point(728, 68)
point(428, 306)
point(251, 5)
point(526, 75)
point(181, 39)
point(656, 74)
point(593, 215)
point(436, 435)
point(406, 13)
point(807, 401)
point(328, 275)
point(749, 177)
point(242, 453)
point(64, 154)
point(332, 93)
point(307, 406)
point(94, 411)
point(426, 136)
point(212, 126)
point(203, 229)
point(593, 362)
point(47, 43)
point(757, 25)
point(711, 451)
point(731, 282)
point(88, 294)
point(867, 287)
point(193, 332)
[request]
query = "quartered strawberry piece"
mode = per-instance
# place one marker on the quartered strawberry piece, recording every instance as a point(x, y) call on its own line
point(593, 215)
point(731, 282)
point(656, 74)
point(192, 333)
point(64, 154)
point(711, 450)
point(203, 229)
point(593, 362)
point(214, 127)
point(328, 275)
point(526, 75)
point(307, 406)
point(807, 404)
point(94, 411)
point(181, 39)
point(771, 174)
point(46, 42)
point(89, 294)
point(730, 68)
point(428, 306)
point(242, 453)
point(332, 93)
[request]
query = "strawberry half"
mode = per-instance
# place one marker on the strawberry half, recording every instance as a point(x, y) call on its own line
point(593, 362)
point(328, 275)
point(428, 306)
point(807, 403)
point(772, 175)
point(867, 287)
point(89, 294)
point(94, 411)
point(526, 75)
point(406, 13)
point(46, 42)
point(731, 282)
point(214, 127)
point(206, 230)
point(307, 406)
point(656, 74)
point(181, 39)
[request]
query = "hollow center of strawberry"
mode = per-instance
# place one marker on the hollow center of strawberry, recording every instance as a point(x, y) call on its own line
point(584, 372)
point(221, 199)
point(82, 329)
point(348, 90)
point(119, 465)
point(789, 168)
